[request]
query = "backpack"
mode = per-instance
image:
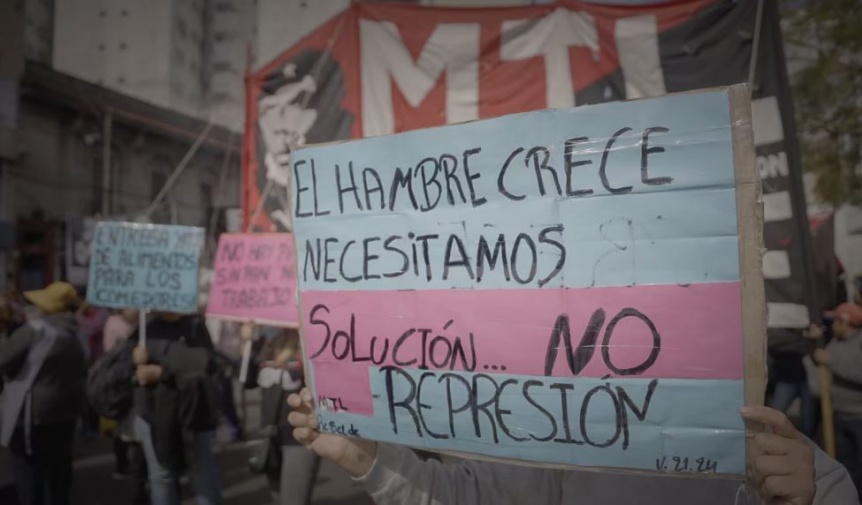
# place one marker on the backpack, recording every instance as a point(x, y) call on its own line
point(196, 381)
point(109, 382)
point(199, 403)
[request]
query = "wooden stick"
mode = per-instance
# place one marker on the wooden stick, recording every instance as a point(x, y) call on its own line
point(142, 328)
point(826, 408)
point(246, 357)
point(246, 353)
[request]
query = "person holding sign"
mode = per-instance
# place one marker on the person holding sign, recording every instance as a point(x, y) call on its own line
point(843, 357)
point(783, 466)
point(177, 394)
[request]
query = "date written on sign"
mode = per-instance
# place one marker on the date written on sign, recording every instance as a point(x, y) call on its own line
point(685, 464)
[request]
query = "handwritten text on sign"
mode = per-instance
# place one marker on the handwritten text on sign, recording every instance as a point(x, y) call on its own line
point(558, 286)
point(255, 279)
point(145, 266)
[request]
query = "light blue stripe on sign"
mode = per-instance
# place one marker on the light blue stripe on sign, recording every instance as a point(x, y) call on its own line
point(675, 237)
point(687, 146)
point(145, 266)
point(668, 425)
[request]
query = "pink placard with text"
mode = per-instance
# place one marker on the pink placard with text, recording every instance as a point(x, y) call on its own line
point(254, 279)
point(680, 332)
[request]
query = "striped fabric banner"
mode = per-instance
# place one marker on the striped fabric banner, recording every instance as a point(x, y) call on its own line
point(559, 286)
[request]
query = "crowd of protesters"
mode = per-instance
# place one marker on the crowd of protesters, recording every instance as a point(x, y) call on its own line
point(69, 368)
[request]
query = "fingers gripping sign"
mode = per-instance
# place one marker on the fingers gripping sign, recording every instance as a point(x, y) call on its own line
point(353, 454)
point(780, 461)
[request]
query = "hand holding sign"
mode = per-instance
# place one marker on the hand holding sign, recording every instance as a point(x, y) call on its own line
point(140, 356)
point(780, 464)
point(355, 455)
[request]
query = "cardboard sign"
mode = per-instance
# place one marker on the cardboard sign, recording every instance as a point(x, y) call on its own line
point(255, 279)
point(564, 287)
point(145, 266)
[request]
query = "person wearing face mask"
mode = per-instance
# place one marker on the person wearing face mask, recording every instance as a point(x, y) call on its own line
point(44, 368)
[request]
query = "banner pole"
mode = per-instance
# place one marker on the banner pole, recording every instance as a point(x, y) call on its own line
point(142, 328)
point(259, 208)
point(755, 46)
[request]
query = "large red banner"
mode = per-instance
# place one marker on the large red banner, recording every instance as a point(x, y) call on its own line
point(377, 69)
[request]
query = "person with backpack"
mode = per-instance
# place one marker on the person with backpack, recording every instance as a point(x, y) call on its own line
point(110, 392)
point(44, 368)
point(177, 402)
point(118, 328)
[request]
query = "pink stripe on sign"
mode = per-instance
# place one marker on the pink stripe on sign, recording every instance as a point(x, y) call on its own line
point(591, 332)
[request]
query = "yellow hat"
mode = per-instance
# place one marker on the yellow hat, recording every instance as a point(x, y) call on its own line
point(57, 297)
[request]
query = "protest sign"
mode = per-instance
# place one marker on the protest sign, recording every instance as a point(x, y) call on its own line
point(145, 266)
point(255, 279)
point(562, 287)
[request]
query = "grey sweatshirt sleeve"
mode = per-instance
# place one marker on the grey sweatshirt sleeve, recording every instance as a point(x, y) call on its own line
point(399, 477)
point(834, 486)
point(845, 359)
point(14, 350)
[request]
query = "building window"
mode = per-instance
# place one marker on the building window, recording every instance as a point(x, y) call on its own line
point(225, 7)
point(177, 88)
point(222, 66)
point(181, 28)
point(157, 182)
point(222, 36)
point(206, 195)
point(221, 96)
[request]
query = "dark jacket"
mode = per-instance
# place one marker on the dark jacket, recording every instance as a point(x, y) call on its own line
point(186, 390)
point(161, 335)
point(59, 390)
point(787, 347)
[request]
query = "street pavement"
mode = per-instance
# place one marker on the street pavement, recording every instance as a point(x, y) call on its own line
point(94, 485)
